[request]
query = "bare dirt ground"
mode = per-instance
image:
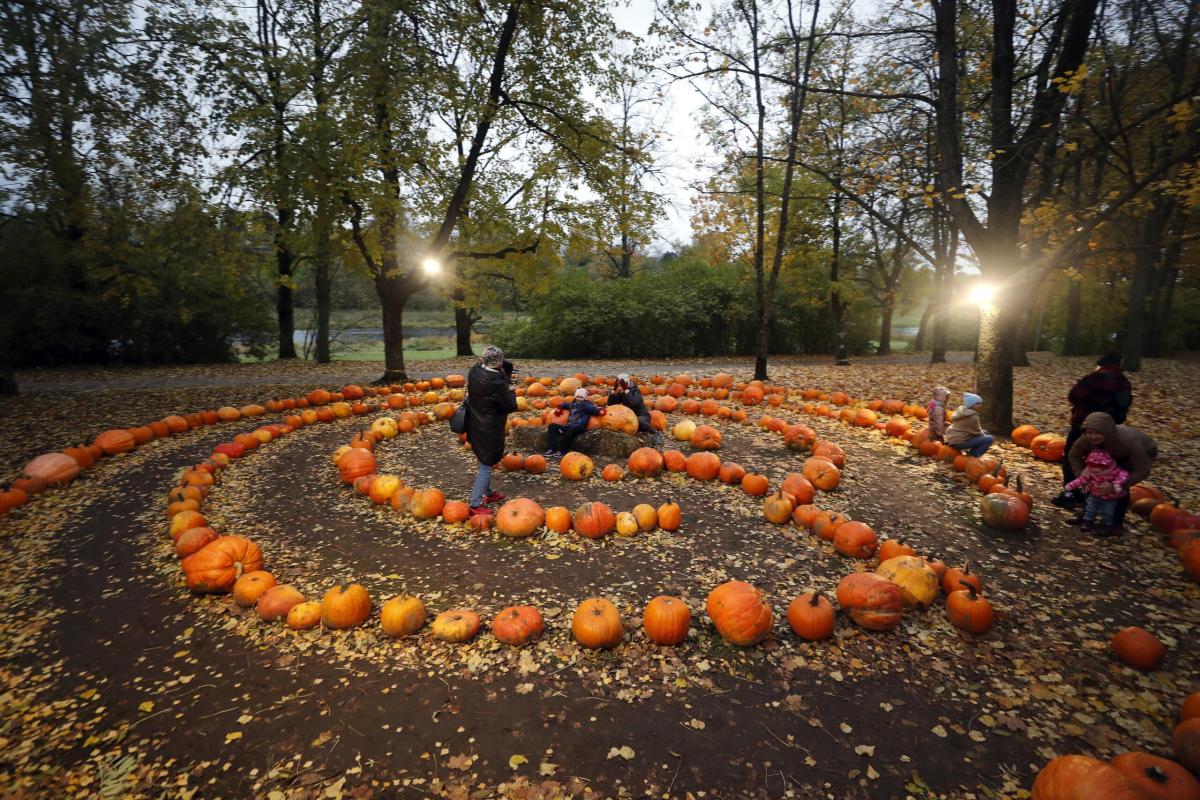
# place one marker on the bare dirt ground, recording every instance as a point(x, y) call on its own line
point(115, 681)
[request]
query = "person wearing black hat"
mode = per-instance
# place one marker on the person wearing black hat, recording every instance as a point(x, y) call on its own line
point(1105, 390)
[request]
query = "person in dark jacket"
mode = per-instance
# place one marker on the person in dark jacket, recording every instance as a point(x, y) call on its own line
point(626, 393)
point(490, 399)
point(1133, 450)
point(1105, 390)
point(579, 412)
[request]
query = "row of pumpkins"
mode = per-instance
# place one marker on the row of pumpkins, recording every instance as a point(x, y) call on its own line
point(56, 469)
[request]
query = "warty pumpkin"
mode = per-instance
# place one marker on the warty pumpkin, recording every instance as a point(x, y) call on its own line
point(740, 613)
point(218, 565)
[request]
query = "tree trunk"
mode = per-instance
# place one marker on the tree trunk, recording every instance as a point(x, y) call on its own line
point(284, 305)
point(943, 290)
point(923, 328)
point(623, 270)
point(994, 363)
point(1021, 333)
point(322, 263)
point(835, 297)
point(1161, 305)
point(1145, 260)
point(1074, 311)
point(393, 295)
point(464, 318)
point(885, 328)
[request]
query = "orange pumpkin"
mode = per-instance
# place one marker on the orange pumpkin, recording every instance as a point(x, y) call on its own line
point(1139, 648)
point(822, 473)
point(402, 616)
point(1023, 435)
point(345, 608)
point(277, 601)
point(811, 617)
point(304, 616)
point(594, 520)
point(1081, 778)
point(731, 472)
point(455, 625)
point(512, 462)
point(666, 620)
point(1048, 446)
point(535, 464)
point(53, 468)
point(251, 586)
point(740, 613)
point(799, 487)
point(519, 518)
point(954, 579)
point(427, 503)
point(967, 610)
point(1190, 708)
point(558, 519)
point(830, 452)
point(576, 467)
point(805, 516)
point(703, 466)
point(193, 540)
point(612, 472)
point(1157, 778)
point(597, 624)
point(855, 540)
point(706, 437)
point(777, 508)
point(1185, 741)
point(218, 565)
point(455, 511)
point(755, 485)
point(674, 461)
point(825, 524)
point(355, 463)
point(871, 600)
point(517, 625)
point(670, 516)
point(890, 548)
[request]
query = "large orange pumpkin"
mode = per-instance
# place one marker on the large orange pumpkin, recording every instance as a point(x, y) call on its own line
point(1157, 778)
point(1023, 435)
point(706, 437)
point(517, 625)
point(1185, 741)
point(822, 473)
point(670, 516)
point(1048, 446)
point(53, 468)
point(620, 419)
point(1139, 648)
point(755, 485)
point(740, 613)
point(666, 620)
point(116, 441)
point(218, 565)
point(1081, 778)
point(871, 600)
point(645, 462)
point(402, 616)
point(345, 608)
point(594, 520)
point(703, 466)
point(558, 519)
point(355, 463)
point(597, 624)
point(1003, 511)
point(811, 616)
point(855, 539)
point(576, 467)
point(799, 487)
point(251, 586)
point(520, 517)
point(275, 603)
point(427, 503)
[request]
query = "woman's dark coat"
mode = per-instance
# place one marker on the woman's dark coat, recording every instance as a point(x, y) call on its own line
point(489, 402)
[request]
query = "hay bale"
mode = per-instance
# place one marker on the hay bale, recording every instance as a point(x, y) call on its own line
point(600, 442)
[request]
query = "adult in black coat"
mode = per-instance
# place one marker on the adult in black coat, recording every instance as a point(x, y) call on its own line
point(490, 399)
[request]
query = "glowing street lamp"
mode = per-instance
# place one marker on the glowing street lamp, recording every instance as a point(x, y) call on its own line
point(431, 266)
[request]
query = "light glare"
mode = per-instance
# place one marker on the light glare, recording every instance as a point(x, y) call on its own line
point(431, 266)
point(982, 294)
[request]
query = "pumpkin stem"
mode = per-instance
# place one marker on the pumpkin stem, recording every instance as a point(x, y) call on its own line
point(816, 599)
point(970, 587)
point(1156, 774)
point(1020, 486)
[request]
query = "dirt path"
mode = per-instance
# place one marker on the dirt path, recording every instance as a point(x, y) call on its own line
point(98, 626)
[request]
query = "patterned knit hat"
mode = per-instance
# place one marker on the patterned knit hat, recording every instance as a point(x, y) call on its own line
point(1099, 458)
point(493, 357)
point(581, 394)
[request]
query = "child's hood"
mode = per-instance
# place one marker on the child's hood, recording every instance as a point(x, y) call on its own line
point(963, 411)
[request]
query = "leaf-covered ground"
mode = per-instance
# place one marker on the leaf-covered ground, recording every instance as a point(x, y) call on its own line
point(116, 681)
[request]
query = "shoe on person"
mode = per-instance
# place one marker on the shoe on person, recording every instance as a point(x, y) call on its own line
point(1105, 531)
point(657, 439)
point(557, 454)
point(476, 511)
point(495, 497)
point(549, 453)
point(1064, 500)
point(1077, 520)
point(1086, 525)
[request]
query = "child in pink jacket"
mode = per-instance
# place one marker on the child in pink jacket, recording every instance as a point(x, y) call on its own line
point(937, 413)
point(1105, 483)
